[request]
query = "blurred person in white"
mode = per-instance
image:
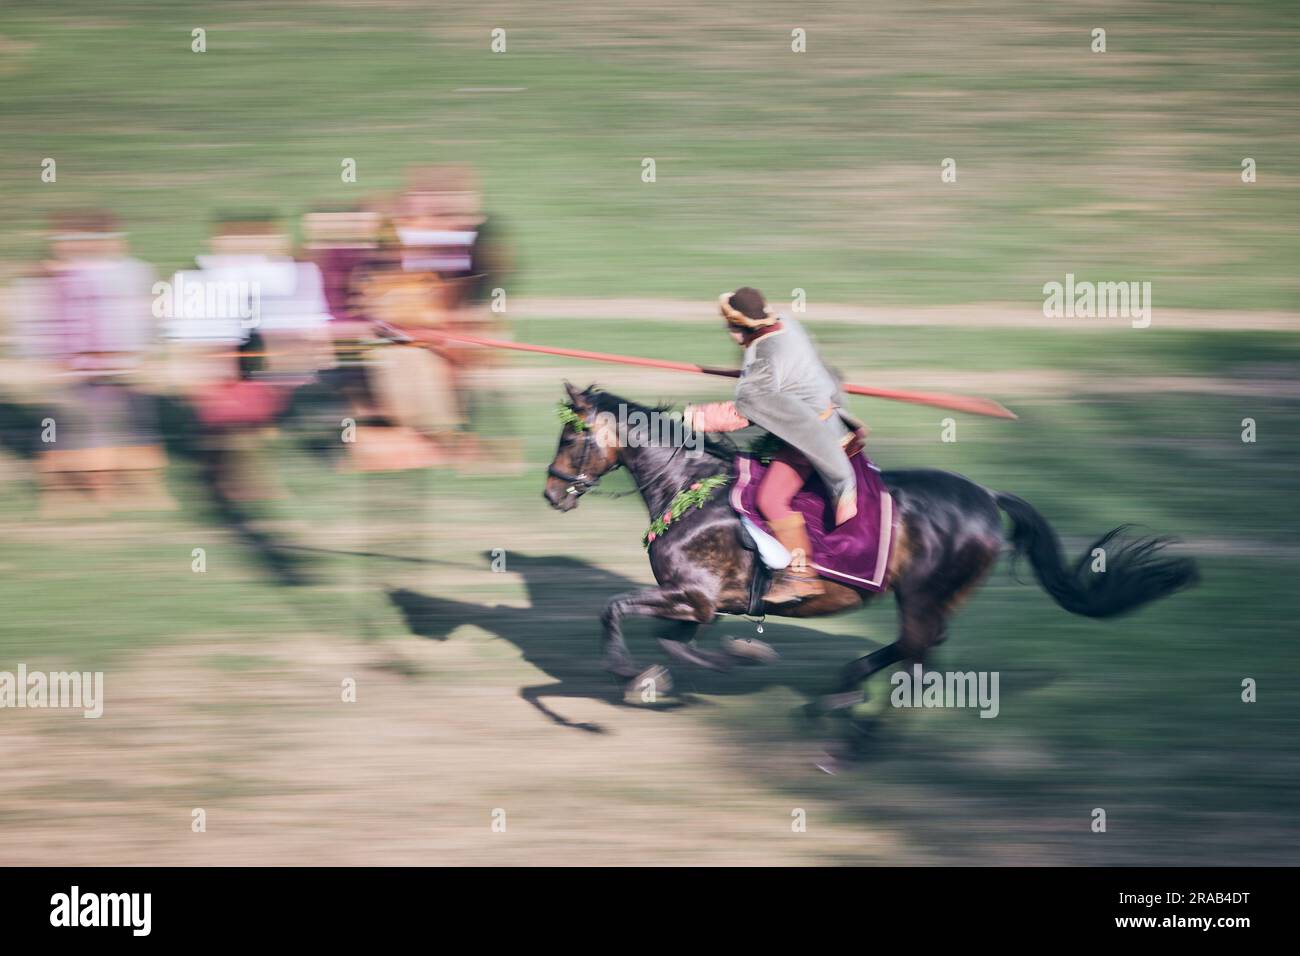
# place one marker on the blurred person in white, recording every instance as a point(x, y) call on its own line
point(249, 280)
point(94, 326)
point(245, 329)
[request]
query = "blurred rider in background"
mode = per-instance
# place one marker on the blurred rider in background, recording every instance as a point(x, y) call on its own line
point(95, 330)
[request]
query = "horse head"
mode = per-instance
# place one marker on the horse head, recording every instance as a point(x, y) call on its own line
point(588, 449)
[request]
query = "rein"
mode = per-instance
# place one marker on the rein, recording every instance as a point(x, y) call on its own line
point(641, 486)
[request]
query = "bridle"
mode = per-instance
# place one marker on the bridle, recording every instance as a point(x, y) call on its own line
point(581, 483)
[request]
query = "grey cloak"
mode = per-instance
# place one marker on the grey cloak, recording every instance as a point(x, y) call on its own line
point(785, 388)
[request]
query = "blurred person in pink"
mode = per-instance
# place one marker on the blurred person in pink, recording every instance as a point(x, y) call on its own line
point(104, 448)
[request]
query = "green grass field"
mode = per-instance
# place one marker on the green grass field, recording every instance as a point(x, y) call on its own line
point(816, 170)
point(1140, 715)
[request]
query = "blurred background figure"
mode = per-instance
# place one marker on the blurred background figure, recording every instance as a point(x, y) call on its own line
point(249, 280)
point(344, 243)
point(445, 232)
point(341, 242)
point(395, 274)
point(236, 415)
point(91, 323)
point(355, 250)
point(246, 327)
point(415, 416)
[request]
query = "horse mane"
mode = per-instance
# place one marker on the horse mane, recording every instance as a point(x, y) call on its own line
point(718, 447)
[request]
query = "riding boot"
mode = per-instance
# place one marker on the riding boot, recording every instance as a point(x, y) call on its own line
point(797, 581)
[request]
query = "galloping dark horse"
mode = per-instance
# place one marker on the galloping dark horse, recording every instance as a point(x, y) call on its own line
point(951, 533)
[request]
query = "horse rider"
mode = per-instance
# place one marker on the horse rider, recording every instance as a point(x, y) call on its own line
point(786, 389)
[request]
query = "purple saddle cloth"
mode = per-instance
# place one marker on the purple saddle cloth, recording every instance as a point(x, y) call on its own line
point(857, 552)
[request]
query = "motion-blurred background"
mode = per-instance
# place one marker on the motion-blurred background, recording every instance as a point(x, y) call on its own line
point(204, 528)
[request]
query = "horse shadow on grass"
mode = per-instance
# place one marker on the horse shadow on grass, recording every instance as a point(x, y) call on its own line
point(559, 633)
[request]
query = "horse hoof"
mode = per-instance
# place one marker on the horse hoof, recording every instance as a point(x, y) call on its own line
point(648, 686)
point(750, 649)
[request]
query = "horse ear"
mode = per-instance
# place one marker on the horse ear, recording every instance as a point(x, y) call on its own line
point(576, 396)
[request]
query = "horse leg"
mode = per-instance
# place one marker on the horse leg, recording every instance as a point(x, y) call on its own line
point(681, 647)
point(923, 611)
point(849, 691)
point(673, 605)
point(923, 623)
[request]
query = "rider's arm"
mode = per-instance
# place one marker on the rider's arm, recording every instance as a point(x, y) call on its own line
point(714, 417)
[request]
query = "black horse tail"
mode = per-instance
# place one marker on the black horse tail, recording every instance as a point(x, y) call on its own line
point(1137, 570)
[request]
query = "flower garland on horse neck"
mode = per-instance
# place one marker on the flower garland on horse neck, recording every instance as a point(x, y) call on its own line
point(693, 497)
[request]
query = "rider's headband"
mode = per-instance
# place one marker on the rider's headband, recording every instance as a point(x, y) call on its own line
point(739, 319)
